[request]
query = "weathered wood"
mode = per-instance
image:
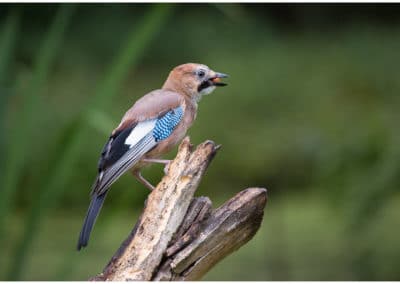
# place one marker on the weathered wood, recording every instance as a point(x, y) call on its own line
point(229, 227)
point(199, 211)
point(178, 237)
point(166, 207)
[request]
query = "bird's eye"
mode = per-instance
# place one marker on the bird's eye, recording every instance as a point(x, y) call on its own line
point(201, 73)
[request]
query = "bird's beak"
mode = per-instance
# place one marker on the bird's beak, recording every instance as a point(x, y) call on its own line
point(216, 79)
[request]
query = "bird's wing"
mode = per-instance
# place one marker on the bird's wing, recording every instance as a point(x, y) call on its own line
point(152, 105)
point(127, 146)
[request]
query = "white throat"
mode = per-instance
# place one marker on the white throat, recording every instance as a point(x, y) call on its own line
point(204, 92)
point(207, 90)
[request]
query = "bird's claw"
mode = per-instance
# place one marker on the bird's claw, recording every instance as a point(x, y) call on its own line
point(166, 168)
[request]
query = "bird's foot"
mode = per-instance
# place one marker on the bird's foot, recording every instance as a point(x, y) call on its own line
point(166, 168)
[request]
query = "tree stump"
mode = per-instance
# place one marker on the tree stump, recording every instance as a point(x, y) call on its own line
point(179, 237)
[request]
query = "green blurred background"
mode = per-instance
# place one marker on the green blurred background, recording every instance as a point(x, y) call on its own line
point(311, 113)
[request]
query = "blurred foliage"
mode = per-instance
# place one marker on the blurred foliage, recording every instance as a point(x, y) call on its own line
point(310, 112)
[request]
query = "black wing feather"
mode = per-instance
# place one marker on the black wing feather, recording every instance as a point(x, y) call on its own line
point(106, 177)
point(114, 149)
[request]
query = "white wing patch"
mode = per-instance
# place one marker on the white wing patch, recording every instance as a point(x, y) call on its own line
point(140, 131)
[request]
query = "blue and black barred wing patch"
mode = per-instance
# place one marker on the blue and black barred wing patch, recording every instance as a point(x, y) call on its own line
point(166, 124)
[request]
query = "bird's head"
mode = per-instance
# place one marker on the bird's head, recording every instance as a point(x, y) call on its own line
point(193, 80)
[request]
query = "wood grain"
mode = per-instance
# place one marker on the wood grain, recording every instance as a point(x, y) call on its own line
point(179, 237)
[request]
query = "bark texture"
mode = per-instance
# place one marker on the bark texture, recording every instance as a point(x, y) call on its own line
point(179, 237)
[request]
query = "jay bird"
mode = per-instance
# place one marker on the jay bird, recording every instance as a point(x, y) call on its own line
point(150, 128)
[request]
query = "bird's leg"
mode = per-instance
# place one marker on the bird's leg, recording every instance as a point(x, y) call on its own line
point(140, 178)
point(159, 161)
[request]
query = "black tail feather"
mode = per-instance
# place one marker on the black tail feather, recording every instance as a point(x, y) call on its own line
point(90, 219)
